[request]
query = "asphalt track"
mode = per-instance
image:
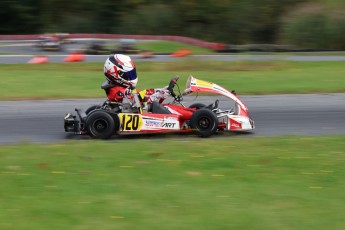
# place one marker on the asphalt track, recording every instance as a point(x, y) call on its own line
point(41, 121)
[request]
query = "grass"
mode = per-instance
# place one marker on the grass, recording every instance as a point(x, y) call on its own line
point(217, 183)
point(333, 4)
point(170, 47)
point(83, 80)
point(315, 53)
point(165, 47)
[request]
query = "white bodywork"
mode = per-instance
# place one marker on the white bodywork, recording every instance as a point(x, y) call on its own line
point(237, 119)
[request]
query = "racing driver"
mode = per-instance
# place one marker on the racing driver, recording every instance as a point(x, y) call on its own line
point(121, 79)
point(121, 76)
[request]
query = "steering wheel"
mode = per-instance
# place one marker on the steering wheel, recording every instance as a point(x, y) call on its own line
point(170, 88)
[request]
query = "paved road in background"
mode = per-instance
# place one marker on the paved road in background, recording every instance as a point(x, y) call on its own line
point(305, 115)
point(20, 52)
point(21, 59)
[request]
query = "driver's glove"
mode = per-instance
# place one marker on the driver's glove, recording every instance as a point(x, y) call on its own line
point(128, 90)
point(178, 98)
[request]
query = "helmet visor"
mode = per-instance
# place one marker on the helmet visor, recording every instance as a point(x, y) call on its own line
point(130, 75)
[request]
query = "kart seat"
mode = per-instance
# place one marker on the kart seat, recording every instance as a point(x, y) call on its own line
point(156, 107)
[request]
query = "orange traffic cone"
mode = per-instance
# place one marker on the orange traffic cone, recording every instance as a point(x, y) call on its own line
point(75, 57)
point(38, 60)
point(181, 53)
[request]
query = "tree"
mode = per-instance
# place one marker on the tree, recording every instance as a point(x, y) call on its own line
point(19, 17)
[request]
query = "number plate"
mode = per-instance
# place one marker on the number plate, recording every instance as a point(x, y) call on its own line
point(130, 122)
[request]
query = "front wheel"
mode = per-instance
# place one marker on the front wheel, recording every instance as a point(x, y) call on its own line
point(204, 122)
point(100, 124)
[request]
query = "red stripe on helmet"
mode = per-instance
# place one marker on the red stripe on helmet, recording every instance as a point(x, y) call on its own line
point(118, 60)
point(115, 70)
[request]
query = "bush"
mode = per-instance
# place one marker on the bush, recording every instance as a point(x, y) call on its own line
point(312, 26)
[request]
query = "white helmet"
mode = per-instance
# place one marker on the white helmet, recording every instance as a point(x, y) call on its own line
point(120, 69)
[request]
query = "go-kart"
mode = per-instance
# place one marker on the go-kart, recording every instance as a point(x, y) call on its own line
point(130, 116)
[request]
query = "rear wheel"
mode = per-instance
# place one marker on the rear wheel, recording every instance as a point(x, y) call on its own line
point(100, 124)
point(92, 108)
point(204, 122)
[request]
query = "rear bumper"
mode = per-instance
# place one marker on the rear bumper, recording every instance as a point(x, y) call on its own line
point(71, 124)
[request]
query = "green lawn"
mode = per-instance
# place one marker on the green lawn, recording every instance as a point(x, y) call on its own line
point(217, 183)
point(333, 4)
point(161, 46)
point(83, 80)
point(170, 47)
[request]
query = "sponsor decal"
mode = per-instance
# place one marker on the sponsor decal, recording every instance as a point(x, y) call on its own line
point(234, 125)
point(153, 123)
point(221, 89)
point(169, 125)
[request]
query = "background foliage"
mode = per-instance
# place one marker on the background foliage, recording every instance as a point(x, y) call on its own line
point(308, 24)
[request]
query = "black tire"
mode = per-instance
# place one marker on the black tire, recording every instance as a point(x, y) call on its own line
point(100, 124)
point(204, 122)
point(197, 105)
point(92, 108)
